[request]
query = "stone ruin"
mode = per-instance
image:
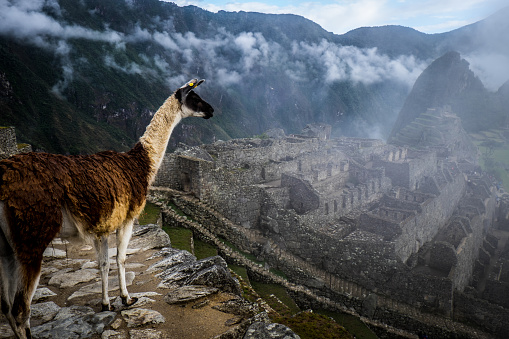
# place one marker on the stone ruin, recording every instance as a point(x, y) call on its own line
point(8, 144)
point(385, 225)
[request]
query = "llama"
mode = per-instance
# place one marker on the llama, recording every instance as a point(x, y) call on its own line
point(42, 195)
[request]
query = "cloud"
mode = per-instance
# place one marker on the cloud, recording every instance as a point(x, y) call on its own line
point(129, 68)
point(492, 69)
point(228, 78)
point(25, 20)
point(63, 50)
point(360, 65)
point(225, 57)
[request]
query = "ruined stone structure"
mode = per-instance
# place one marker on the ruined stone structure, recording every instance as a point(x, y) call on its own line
point(9, 145)
point(409, 224)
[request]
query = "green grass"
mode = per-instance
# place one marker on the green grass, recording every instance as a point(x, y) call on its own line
point(180, 237)
point(310, 325)
point(240, 270)
point(353, 324)
point(253, 258)
point(245, 254)
point(500, 156)
point(150, 214)
point(203, 250)
point(266, 290)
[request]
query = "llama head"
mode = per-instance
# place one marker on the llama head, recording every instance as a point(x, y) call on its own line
point(192, 104)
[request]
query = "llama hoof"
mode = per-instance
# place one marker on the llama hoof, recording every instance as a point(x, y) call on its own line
point(107, 308)
point(131, 302)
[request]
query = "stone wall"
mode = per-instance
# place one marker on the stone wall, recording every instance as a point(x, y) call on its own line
point(303, 197)
point(481, 313)
point(9, 145)
point(409, 172)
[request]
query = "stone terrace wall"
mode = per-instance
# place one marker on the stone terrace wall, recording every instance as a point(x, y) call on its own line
point(7, 141)
point(482, 313)
point(9, 145)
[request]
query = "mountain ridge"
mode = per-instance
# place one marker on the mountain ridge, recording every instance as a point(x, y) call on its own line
point(110, 64)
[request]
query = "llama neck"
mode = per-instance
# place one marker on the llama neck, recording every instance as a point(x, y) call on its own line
point(158, 132)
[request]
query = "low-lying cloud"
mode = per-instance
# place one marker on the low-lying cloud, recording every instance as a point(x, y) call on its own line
point(226, 57)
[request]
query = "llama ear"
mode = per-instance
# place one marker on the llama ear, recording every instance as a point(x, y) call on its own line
point(184, 90)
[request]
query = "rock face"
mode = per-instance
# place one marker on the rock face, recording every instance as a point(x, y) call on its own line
point(178, 295)
point(261, 330)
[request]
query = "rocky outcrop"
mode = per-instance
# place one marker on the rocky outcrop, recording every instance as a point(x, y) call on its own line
point(178, 295)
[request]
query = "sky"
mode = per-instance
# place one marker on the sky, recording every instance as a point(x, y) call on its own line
point(341, 16)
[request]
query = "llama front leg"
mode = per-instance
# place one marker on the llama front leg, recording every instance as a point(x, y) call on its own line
point(101, 248)
point(123, 237)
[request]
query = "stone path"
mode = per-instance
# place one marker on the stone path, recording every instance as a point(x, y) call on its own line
point(178, 295)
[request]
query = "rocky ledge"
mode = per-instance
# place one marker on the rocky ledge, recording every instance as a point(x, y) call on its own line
point(178, 295)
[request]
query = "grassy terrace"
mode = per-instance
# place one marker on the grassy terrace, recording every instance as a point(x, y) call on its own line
point(496, 159)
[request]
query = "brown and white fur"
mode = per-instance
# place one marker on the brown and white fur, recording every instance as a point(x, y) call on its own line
point(43, 194)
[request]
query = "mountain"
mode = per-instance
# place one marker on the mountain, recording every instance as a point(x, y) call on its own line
point(448, 81)
point(78, 77)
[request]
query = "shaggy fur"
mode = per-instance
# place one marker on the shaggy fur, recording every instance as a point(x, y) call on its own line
point(43, 194)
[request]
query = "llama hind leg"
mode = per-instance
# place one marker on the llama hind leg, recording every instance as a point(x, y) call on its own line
point(123, 237)
point(101, 248)
point(19, 281)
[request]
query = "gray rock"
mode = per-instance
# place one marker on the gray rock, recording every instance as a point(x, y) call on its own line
point(51, 252)
point(142, 301)
point(149, 236)
point(238, 306)
point(71, 279)
point(44, 311)
point(188, 293)
point(74, 322)
point(211, 271)
point(73, 311)
point(145, 334)
point(217, 275)
point(140, 316)
point(96, 287)
point(172, 257)
point(43, 293)
point(276, 133)
point(260, 330)
point(111, 334)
